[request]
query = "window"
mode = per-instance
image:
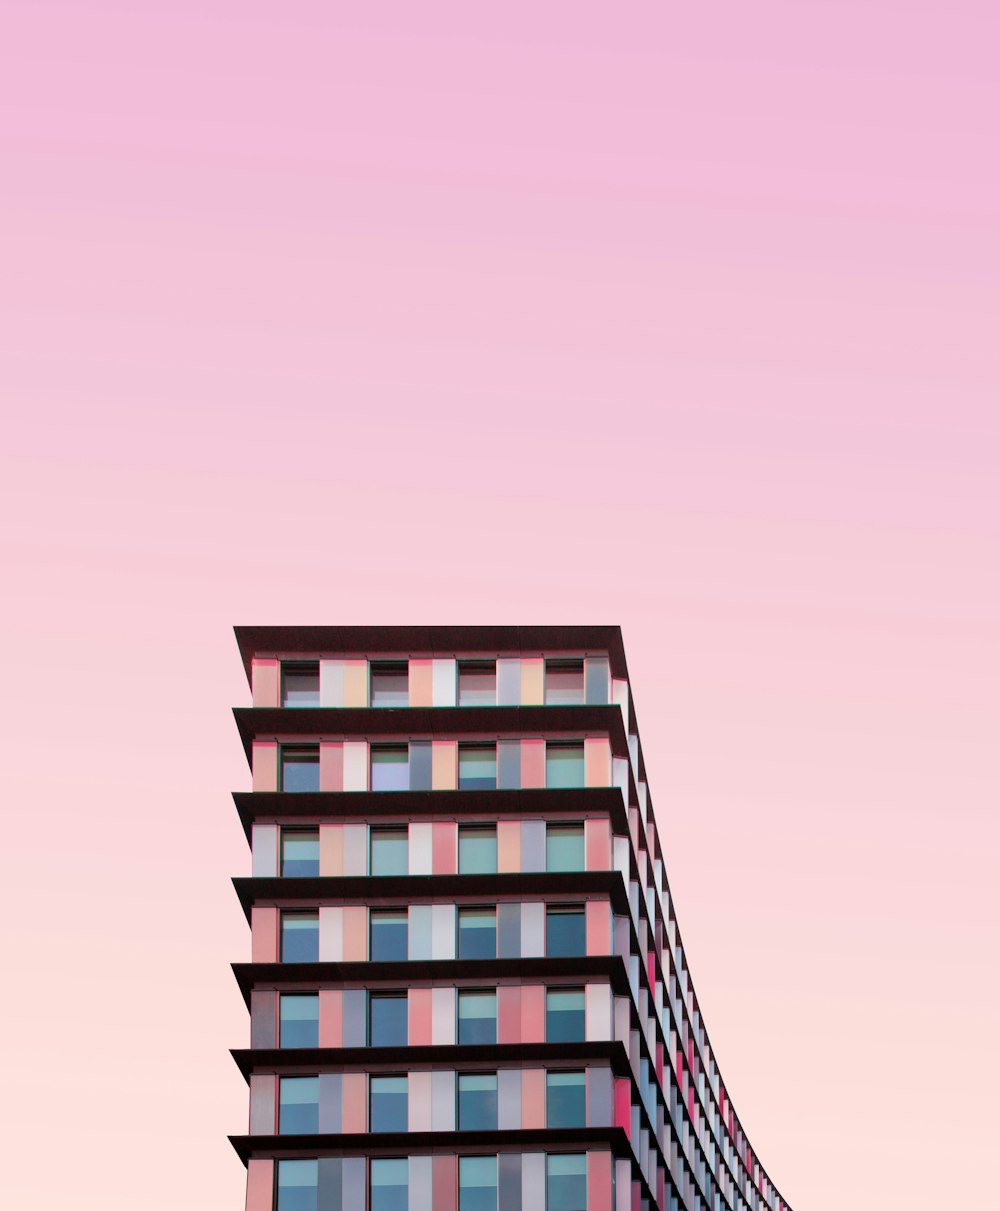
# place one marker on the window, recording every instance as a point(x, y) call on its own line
point(477, 767)
point(300, 767)
point(566, 1182)
point(390, 682)
point(564, 847)
point(477, 683)
point(387, 1019)
point(388, 855)
point(477, 1183)
point(477, 851)
point(565, 930)
point(563, 764)
point(477, 933)
point(390, 767)
point(565, 1099)
point(388, 1103)
point(388, 934)
point(477, 1101)
point(299, 853)
point(390, 1184)
point(297, 1182)
point(298, 1105)
point(563, 682)
point(300, 684)
point(564, 1015)
point(298, 1019)
point(477, 1017)
point(299, 937)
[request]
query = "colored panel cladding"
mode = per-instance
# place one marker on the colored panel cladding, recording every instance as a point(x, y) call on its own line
point(264, 931)
point(442, 931)
point(532, 1098)
point(600, 1097)
point(264, 757)
point(442, 1101)
point(599, 1181)
point(331, 683)
point(532, 1013)
point(331, 1017)
point(509, 1099)
point(532, 1180)
point(444, 765)
point(355, 849)
point(597, 843)
point(532, 845)
point(355, 765)
point(508, 845)
point(598, 1006)
point(445, 848)
point(355, 933)
point(263, 1018)
point(533, 763)
point(623, 1185)
point(260, 1184)
point(445, 1183)
point(598, 916)
point(421, 768)
point(331, 1101)
point(421, 1177)
point(355, 1017)
point(262, 1103)
point(508, 681)
point(421, 682)
point(419, 1098)
point(355, 683)
point(509, 1181)
point(443, 1016)
point(331, 766)
point(421, 848)
point(265, 676)
point(597, 761)
point(597, 680)
point(419, 1017)
point(444, 682)
point(331, 933)
point(623, 1105)
point(532, 680)
point(355, 1100)
point(265, 850)
point(532, 930)
point(331, 849)
point(508, 764)
point(508, 930)
point(509, 1013)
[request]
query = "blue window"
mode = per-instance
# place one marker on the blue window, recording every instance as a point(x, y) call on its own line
point(564, 847)
point(390, 1184)
point(563, 682)
point(298, 1105)
point(299, 937)
point(477, 933)
point(390, 683)
point(564, 1015)
point(300, 768)
point(390, 767)
point(566, 1182)
point(299, 853)
point(565, 1099)
point(300, 684)
point(388, 1103)
point(477, 1017)
point(387, 1020)
point(563, 764)
point(298, 1019)
point(477, 851)
point(477, 767)
point(297, 1185)
point(389, 851)
point(477, 1101)
point(477, 1183)
point(388, 934)
point(565, 930)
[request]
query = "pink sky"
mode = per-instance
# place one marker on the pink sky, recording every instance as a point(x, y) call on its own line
point(680, 316)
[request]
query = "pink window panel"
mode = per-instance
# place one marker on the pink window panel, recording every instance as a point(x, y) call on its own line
point(355, 683)
point(508, 845)
point(264, 756)
point(331, 765)
point(355, 933)
point(331, 849)
point(419, 1017)
point(532, 1098)
point(264, 930)
point(599, 1182)
point(445, 845)
point(265, 673)
point(354, 1105)
point(262, 1103)
point(260, 1184)
point(421, 682)
point(598, 921)
point(445, 1183)
point(532, 762)
point(509, 1013)
point(532, 1013)
point(623, 1105)
point(444, 765)
point(532, 680)
point(331, 1017)
point(659, 1064)
point(597, 844)
point(597, 761)
point(420, 1087)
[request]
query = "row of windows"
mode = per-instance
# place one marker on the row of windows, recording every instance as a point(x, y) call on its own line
point(389, 850)
point(391, 766)
point(387, 1022)
point(565, 933)
point(476, 1102)
point(389, 683)
point(388, 1183)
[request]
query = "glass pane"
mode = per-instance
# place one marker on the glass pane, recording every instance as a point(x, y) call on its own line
point(297, 1181)
point(390, 684)
point(298, 1105)
point(564, 765)
point(388, 1103)
point(388, 1021)
point(390, 768)
point(477, 1183)
point(389, 851)
point(566, 1183)
point(300, 769)
point(564, 1016)
point(563, 682)
point(477, 1102)
point(564, 847)
point(565, 931)
point(477, 767)
point(299, 937)
point(389, 1184)
point(300, 685)
point(298, 1020)
point(477, 851)
point(477, 683)
point(477, 933)
point(565, 1099)
point(477, 1017)
point(389, 934)
point(300, 854)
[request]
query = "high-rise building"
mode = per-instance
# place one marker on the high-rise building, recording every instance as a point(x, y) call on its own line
point(467, 988)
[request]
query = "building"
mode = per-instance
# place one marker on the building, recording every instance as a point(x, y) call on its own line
point(467, 988)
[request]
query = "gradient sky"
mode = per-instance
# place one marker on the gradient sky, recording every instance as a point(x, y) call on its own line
point(678, 316)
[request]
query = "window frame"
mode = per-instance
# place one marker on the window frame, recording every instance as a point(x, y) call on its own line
point(388, 667)
point(297, 667)
point(387, 994)
point(384, 910)
point(297, 750)
point(473, 665)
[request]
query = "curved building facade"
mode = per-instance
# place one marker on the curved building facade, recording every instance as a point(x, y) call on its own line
point(467, 988)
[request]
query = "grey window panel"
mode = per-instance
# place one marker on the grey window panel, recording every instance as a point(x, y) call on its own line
point(532, 845)
point(596, 679)
point(533, 1179)
point(330, 1099)
point(508, 764)
point(263, 1019)
point(508, 930)
point(330, 1187)
point(508, 682)
point(509, 1181)
point(532, 931)
point(353, 1184)
point(420, 765)
point(420, 931)
point(355, 1013)
point(600, 1092)
point(265, 850)
point(509, 1100)
point(442, 1101)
